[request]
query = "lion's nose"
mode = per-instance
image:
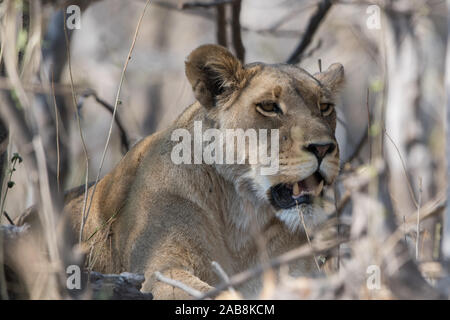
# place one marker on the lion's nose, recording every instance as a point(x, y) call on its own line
point(321, 150)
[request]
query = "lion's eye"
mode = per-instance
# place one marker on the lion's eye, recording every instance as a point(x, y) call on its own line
point(326, 109)
point(269, 108)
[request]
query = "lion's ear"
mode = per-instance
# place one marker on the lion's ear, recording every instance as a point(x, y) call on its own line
point(212, 72)
point(333, 77)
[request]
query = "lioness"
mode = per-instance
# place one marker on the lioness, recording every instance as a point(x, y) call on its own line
point(150, 214)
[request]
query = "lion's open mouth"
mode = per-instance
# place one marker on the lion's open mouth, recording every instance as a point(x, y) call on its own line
point(285, 196)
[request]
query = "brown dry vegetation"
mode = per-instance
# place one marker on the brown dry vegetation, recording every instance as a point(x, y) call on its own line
point(59, 88)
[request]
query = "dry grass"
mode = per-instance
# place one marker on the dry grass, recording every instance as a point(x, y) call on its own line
point(368, 208)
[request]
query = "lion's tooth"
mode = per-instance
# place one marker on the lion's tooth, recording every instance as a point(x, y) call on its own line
point(319, 188)
point(296, 190)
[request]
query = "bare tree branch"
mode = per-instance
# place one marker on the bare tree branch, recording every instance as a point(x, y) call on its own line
point(446, 230)
point(4, 140)
point(49, 74)
point(301, 252)
point(123, 134)
point(200, 4)
point(177, 284)
point(60, 89)
point(221, 26)
point(313, 25)
point(124, 286)
point(222, 274)
point(236, 31)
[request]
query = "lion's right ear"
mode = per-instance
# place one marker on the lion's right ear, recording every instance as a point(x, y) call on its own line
point(213, 73)
point(333, 77)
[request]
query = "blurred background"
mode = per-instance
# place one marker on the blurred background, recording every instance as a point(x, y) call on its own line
point(391, 113)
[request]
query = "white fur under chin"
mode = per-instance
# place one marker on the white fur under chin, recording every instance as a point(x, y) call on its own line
point(312, 214)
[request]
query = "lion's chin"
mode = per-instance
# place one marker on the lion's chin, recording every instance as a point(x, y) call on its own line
point(313, 215)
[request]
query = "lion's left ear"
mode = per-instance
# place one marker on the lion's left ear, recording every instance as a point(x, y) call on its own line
point(333, 77)
point(212, 72)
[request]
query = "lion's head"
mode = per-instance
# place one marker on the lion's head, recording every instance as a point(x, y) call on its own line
point(275, 96)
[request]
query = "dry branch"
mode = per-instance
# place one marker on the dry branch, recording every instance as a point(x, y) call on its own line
point(301, 252)
point(123, 134)
point(313, 24)
point(18, 124)
point(221, 26)
point(60, 89)
point(124, 286)
point(122, 77)
point(177, 284)
point(236, 30)
point(446, 230)
point(217, 268)
point(200, 4)
point(47, 76)
point(164, 4)
point(4, 140)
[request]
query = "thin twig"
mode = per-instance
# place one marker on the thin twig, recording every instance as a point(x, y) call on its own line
point(200, 4)
point(180, 285)
point(300, 213)
point(48, 211)
point(80, 132)
point(58, 158)
point(274, 29)
point(164, 4)
point(418, 219)
point(337, 214)
point(6, 84)
point(430, 209)
point(313, 24)
point(123, 134)
point(16, 158)
point(122, 77)
point(271, 31)
point(301, 252)
point(411, 192)
point(8, 218)
point(313, 50)
point(368, 125)
point(222, 274)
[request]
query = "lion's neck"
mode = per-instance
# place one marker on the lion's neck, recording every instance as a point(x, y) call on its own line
point(231, 198)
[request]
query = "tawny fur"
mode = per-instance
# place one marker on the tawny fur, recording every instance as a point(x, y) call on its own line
point(149, 214)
